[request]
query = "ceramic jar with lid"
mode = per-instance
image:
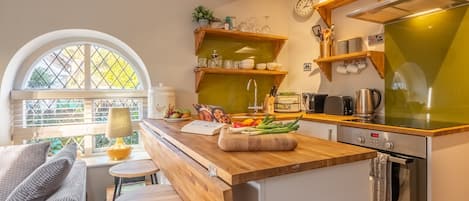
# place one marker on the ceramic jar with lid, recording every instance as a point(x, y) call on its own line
point(159, 98)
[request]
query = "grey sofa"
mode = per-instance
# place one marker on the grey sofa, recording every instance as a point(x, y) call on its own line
point(74, 186)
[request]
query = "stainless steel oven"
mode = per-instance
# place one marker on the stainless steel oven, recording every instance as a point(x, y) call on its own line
point(399, 173)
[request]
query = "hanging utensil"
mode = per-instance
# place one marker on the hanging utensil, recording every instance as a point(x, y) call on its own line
point(326, 34)
point(271, 93)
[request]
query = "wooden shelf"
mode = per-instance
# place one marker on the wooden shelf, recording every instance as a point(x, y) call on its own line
point(376, 58)
point(200, 74)
point(277, 40)
point(325, 8)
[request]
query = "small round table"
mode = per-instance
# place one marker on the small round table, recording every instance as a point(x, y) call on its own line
point(132, 169)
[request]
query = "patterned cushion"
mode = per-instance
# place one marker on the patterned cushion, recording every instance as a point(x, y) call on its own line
point(18, 161)
point(47, 178)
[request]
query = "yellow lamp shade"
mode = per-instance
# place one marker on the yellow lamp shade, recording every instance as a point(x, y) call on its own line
point(119, 124)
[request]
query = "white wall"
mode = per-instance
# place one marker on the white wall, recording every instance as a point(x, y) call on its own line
point(160, 32)
point(303, 47)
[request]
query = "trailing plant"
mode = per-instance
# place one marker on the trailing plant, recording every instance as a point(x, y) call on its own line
point(200, 12)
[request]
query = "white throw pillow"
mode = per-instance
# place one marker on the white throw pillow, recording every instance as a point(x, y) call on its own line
point(17, 162)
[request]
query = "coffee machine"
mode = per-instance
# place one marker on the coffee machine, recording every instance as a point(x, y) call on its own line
point(314, 103)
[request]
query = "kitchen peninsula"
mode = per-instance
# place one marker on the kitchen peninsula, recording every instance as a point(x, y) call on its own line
point(315, 169)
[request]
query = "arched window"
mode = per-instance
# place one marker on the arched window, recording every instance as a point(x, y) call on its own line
point(67, 92)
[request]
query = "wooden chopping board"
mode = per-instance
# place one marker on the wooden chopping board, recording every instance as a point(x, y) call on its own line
point(228, 141)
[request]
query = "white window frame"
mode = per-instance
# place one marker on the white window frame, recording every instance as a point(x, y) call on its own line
point(19, 135)
point(89, 130)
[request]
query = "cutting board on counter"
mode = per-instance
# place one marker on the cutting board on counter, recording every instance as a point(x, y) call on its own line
point(228, 141)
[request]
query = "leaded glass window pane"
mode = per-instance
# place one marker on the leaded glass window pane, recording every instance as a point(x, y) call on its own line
point(101, 108)
point(57, 143)
point(109, 70)
point(102, 141)
point(53, 112)
point(61, 69)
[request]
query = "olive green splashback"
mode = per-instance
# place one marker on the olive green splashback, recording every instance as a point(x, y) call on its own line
point(229, 91)
point(427, 67)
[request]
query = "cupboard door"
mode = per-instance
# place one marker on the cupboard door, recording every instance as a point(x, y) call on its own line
point(319, 130)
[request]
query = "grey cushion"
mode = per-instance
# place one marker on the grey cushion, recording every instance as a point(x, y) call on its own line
point(74, 186)
point(18, 161)
point(46, 179)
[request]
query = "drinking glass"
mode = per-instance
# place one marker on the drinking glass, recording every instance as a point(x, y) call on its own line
point(266, 28)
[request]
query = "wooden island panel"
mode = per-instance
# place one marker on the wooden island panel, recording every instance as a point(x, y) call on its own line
point(189, 178)
point(241, 167)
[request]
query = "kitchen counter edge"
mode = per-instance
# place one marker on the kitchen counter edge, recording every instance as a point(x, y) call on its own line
point(343, 121)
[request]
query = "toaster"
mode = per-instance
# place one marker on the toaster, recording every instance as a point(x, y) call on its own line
point(338, 105)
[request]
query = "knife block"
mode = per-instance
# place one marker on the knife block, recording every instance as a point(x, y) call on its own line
point(269, 104)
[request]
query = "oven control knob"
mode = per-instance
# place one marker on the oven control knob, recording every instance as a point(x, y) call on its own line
point(388, 145)
point(361, 140)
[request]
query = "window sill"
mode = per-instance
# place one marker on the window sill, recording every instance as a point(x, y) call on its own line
point(101, 160)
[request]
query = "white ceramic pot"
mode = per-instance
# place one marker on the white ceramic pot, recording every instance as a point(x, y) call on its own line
point(272, 66)
point(261, 66)
point(159, 98)
point(203, 22)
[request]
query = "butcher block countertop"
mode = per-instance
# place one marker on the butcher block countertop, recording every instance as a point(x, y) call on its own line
point(409, 131)
point(241, 167)
point(343, 120)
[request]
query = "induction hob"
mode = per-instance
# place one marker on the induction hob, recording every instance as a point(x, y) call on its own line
point(409, 123)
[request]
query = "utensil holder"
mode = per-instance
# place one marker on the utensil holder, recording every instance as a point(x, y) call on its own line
point(325, 48)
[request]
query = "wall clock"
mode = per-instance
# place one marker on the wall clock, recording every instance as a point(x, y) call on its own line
point(304, 8)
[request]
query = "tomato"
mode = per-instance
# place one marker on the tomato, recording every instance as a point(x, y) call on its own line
point(257, 122)
point(237, 124)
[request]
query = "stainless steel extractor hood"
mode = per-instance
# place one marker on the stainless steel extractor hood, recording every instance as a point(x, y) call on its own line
point(387, 11)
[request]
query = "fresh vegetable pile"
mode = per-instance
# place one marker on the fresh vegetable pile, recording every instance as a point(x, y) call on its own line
point(246, 123)
point(269, 126)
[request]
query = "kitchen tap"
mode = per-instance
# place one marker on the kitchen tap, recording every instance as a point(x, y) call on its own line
point(254, 107)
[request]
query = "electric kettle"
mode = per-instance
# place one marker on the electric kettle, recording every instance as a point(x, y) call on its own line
point(365, 102)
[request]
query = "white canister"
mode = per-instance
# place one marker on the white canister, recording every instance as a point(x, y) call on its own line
point(159, 98)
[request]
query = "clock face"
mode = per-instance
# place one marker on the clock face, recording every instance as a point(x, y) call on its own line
point(304, 8)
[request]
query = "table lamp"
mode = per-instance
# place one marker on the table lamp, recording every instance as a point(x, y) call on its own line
point(118, 126)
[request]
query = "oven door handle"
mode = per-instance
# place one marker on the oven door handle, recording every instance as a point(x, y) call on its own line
point(402, 161)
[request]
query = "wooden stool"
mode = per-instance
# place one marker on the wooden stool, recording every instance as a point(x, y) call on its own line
point(132, 169)
point(151, 193)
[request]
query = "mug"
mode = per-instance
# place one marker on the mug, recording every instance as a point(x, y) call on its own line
point(352, 68)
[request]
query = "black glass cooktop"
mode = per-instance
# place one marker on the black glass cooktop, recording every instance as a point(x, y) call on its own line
point(410, 123)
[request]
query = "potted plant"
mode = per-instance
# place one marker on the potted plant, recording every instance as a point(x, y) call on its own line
point(202, 15)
